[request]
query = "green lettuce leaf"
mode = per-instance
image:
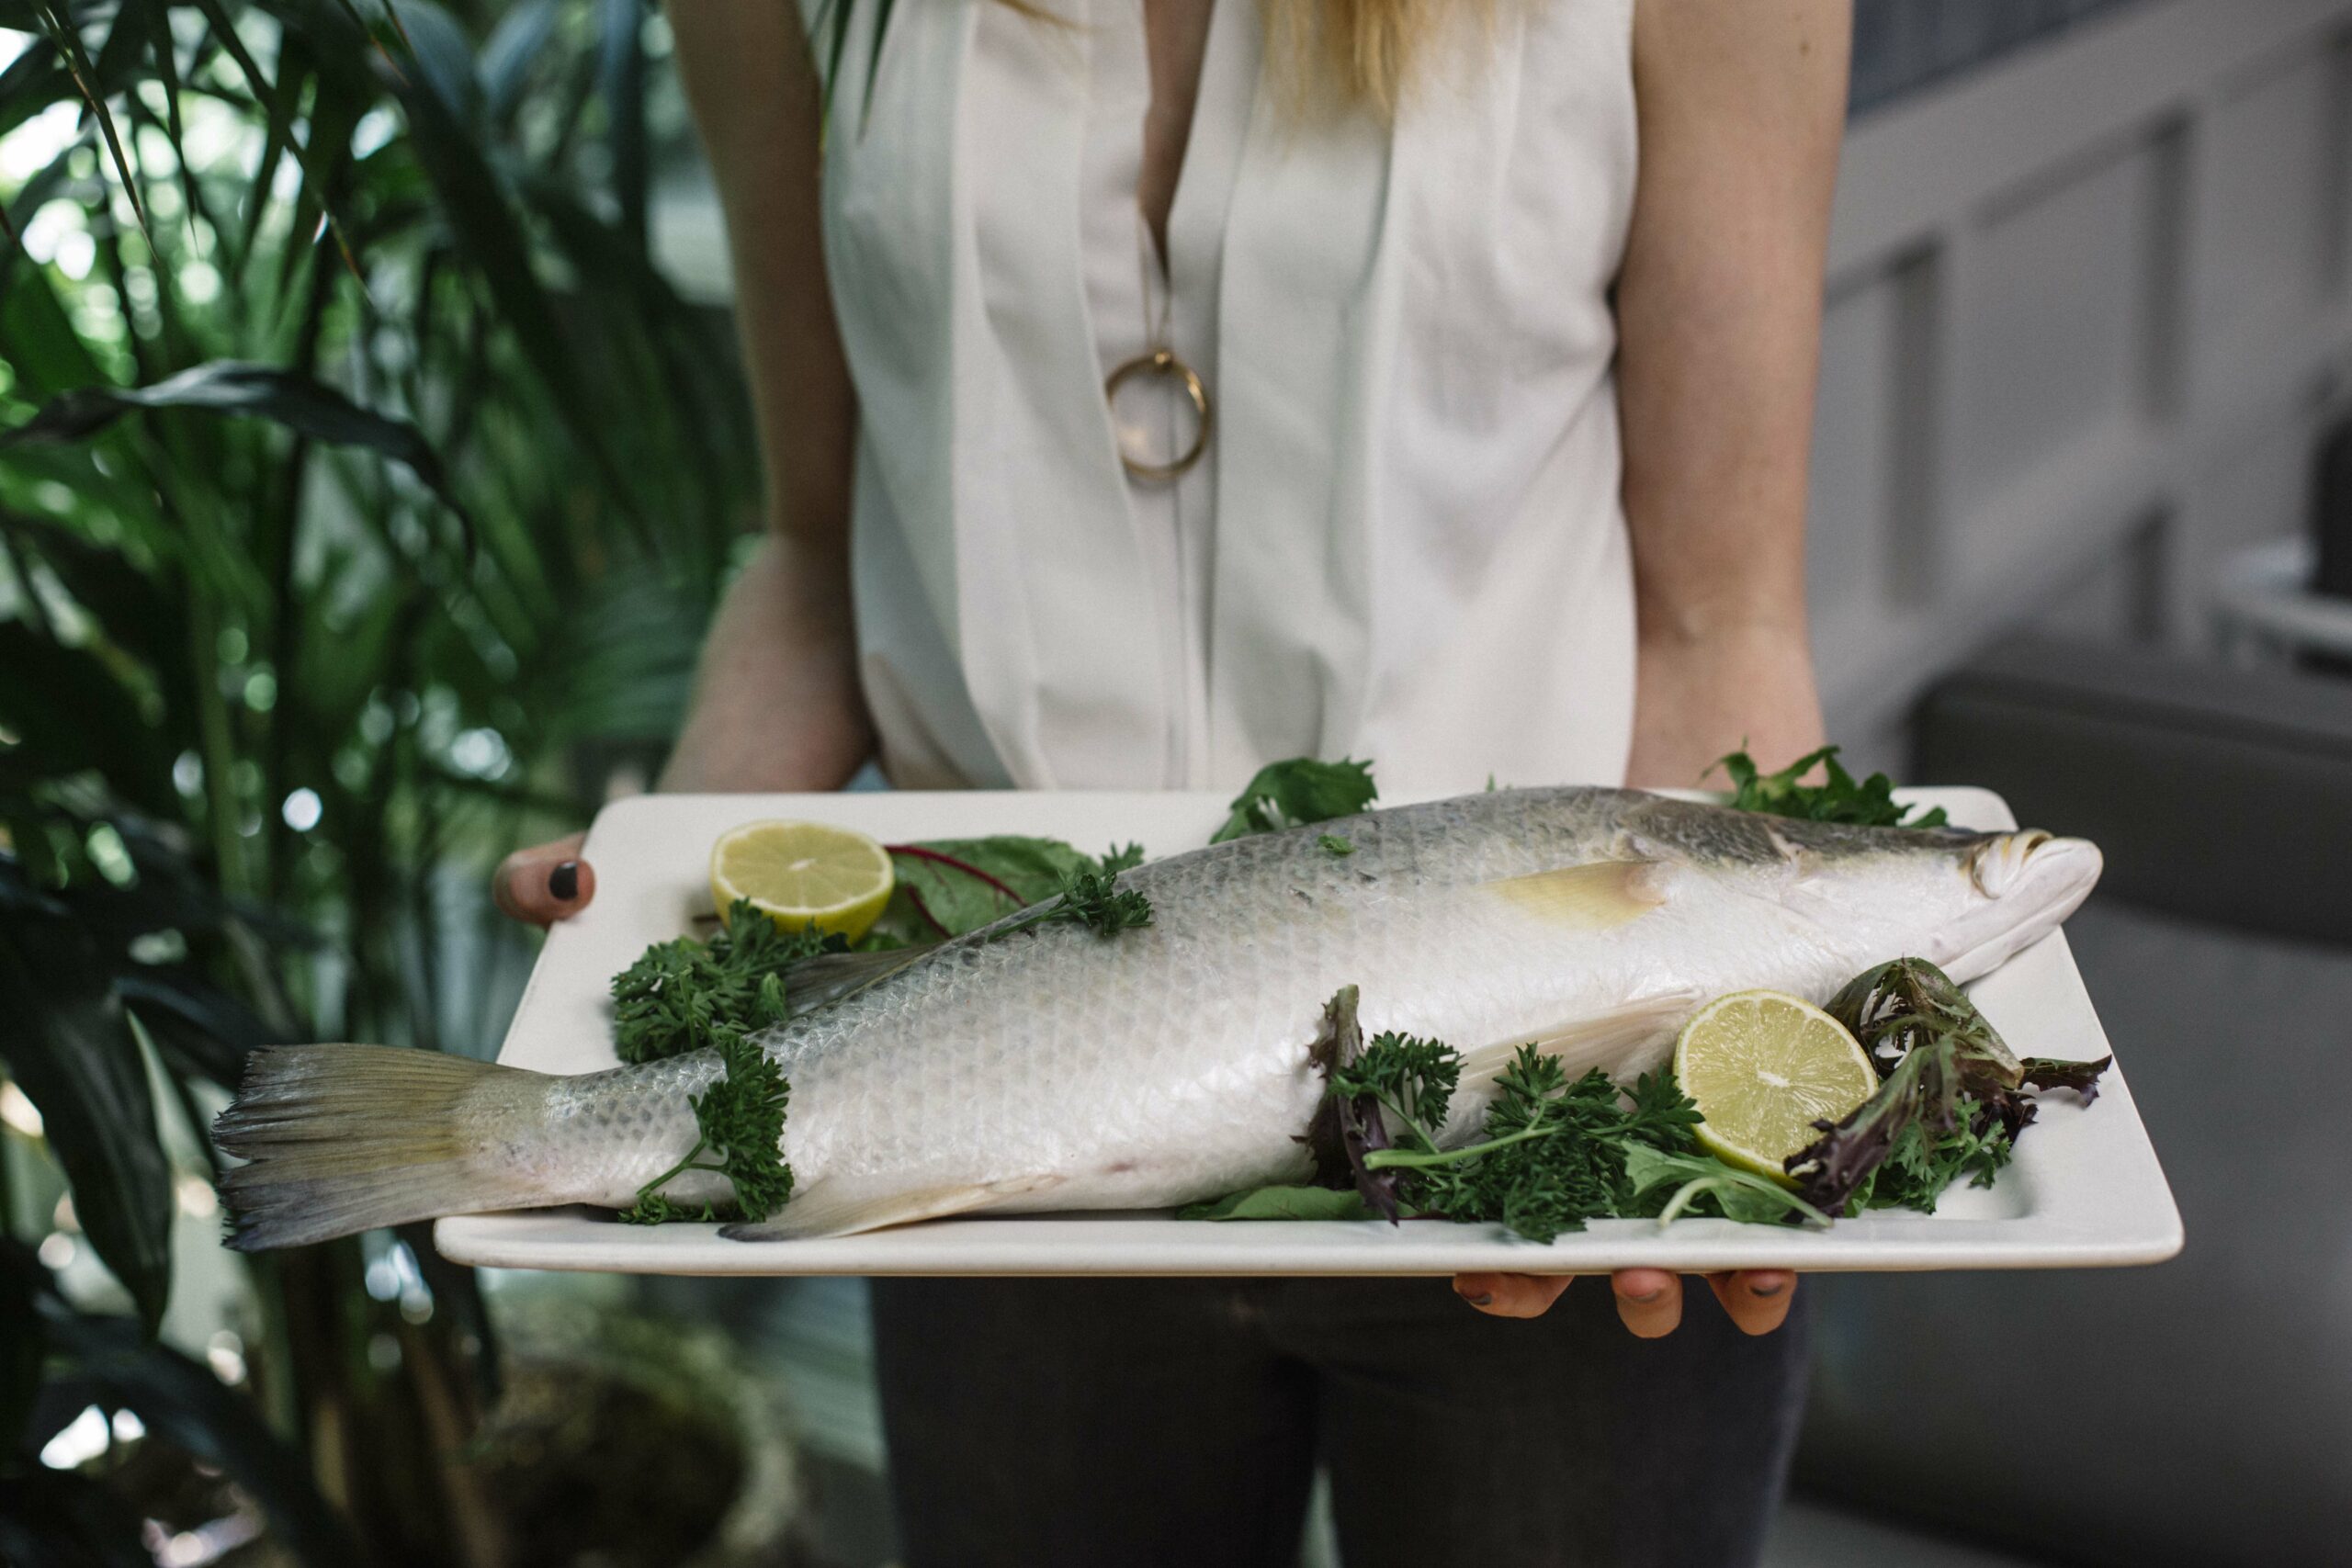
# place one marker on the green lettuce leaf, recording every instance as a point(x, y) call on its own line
point(1294, 792)
point(938, 896)
point(1283, 1203)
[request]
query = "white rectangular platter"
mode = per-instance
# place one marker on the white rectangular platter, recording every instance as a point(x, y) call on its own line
point(2085, 1189)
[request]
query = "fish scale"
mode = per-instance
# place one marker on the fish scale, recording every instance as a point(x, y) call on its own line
point(1050, 1067)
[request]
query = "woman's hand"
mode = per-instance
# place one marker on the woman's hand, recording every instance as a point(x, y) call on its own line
point(543, 883)
point(1649, 1301)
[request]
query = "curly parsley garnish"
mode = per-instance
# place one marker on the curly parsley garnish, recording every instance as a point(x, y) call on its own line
point(1552, 1154)
point(740, 1120)
point(1091, 901)
point(1867, 803)
point(685, 995)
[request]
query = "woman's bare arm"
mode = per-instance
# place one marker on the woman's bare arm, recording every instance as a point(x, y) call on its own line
point(1742, 104)
point(776, 704)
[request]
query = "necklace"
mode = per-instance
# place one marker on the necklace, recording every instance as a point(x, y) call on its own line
point(1160, 363)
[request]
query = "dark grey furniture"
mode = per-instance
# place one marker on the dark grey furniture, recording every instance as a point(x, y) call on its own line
point(2200, 1411)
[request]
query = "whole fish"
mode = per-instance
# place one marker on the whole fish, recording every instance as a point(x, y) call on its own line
point(1054, 1068)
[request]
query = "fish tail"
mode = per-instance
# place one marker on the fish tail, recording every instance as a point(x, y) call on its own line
point(344, 1138)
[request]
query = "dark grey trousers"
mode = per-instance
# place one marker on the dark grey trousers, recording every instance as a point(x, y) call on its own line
point(1044, 1423)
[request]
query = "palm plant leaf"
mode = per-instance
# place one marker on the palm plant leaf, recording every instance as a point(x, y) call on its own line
point(71, 1050)
point(58, 26)
point(181, 1401)
point(305, 406)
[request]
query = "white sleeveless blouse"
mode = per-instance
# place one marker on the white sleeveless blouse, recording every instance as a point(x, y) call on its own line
point(1405, 540)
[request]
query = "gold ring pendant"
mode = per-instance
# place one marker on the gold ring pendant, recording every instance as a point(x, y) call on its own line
point(1163, 363)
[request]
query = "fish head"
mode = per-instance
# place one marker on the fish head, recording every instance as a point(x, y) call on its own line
point(1965, 900)
point(2018, 888)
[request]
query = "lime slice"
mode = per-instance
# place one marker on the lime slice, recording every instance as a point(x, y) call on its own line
point(1764, 1068)
point(803, 873)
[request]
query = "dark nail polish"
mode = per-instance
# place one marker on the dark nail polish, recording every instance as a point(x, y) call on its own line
point(1767, 1290)
point(1483, 1299)
point(564, 882)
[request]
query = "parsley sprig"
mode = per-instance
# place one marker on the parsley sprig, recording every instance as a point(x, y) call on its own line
point(740, 1121)
point(1868, 803)
point(1090, 900)
point(685, 995)
point(1299, 791)
point(1553, 1153)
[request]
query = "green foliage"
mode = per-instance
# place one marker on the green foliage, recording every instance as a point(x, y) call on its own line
point(741, 1121)
point(1952, 1098)
point(1413, 1077)
point(1332, 845)
point(337, 393)
point(1294, 793)
point(685, 995)
point(1282, 1203)
point(1550, 1154)
point(1090, 900)
point(1869, 803)
point(1921, 1164)
point(1671, 1185)
point(948, 886)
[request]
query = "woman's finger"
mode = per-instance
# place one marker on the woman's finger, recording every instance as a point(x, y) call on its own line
point(1649, 1301)
point(544, 883)
point(1756, 1299)
point(1512, 1295)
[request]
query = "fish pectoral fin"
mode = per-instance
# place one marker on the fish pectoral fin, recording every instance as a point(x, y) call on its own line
point(828, 977)
point(1592, 897)
point(1628, 1039)
point(846, 1205)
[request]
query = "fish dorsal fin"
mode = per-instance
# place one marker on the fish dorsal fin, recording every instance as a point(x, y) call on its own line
point(845, 1205)
point(1593, 896)
point(812, 982)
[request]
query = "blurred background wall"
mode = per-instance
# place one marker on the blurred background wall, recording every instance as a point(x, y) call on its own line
point(2086, 312)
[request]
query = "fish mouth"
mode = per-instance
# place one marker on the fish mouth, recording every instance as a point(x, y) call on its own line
point(2009, 861)
point(2038, 879)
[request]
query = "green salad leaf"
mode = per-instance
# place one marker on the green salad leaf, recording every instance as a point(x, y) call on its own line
point(1869, 803)
point(1667, 1186)
point(948, 886)
point(1951, 1101)
point(1294, 793)
point(1282, 1203)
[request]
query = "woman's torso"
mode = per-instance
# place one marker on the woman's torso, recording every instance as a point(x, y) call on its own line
point(1404, 539)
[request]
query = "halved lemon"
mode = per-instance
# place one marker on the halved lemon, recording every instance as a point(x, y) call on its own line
point(1764, 1068)
point(803, 873)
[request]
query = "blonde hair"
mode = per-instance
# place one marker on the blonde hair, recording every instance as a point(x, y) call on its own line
point(1368, 49)
point(1365, 51)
